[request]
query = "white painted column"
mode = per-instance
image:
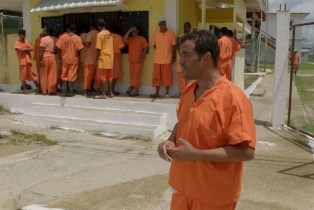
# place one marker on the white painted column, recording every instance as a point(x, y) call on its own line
point(281, 70)
point(203, 14)
point(27, 19)
point(171, 17)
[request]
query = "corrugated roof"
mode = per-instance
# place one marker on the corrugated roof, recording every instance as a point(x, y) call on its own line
point(53, 5)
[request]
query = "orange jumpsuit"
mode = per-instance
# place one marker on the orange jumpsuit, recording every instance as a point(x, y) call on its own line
point(235, 48)
point(295, 62)
point(222, 116)
point(48, 72)
point(36, 54)
point(163, 42)
point(25, 61)
point(136, 46)
point(118, 44)
point(69, 44)
point(105, 62)
point(181, 81)
point(90, 59)
point(224, 60)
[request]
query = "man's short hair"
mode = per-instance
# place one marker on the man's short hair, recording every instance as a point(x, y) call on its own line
point(205, 41)
point(21, 32)
point(224, 31)
point(101, 23)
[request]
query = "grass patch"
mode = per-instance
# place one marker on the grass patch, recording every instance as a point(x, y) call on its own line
point(98, 133)
point(309, 128)
point(18, 136)
point(268, 66)
point(4, 110)
point(54, 127)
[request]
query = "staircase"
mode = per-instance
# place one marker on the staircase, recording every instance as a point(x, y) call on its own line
point(122, 116)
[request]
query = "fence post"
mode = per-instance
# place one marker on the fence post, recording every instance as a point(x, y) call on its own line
point(291, 74)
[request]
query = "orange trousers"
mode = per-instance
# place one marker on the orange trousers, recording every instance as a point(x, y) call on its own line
point(88, 75)
point(162, 74)
point(38, 67)
point(136, 75)
point(48, 75)
point(69, 72)
point(180, 202)
point(27, 73)
point(181, 81)
point(117, 66)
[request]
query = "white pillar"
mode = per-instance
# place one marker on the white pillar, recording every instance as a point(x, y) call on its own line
point(27, 19)
point(281, 70)
point(203, 14)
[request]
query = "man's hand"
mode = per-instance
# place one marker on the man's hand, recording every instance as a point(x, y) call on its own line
point(185, 151)
point(163, 148)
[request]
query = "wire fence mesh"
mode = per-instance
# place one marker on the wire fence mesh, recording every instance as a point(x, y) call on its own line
point(301, 101)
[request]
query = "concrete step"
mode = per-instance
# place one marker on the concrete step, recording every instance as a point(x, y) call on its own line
point(139, 117)
point(147, 131)
point(95, 114)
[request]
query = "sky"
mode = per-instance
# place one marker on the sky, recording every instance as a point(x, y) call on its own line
point(294, 6)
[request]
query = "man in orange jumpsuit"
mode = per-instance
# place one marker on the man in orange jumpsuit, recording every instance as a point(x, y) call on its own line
point(48, 70)
point(69, 44)
point(296, 60)
point(118, 45)
point(236, 46)
point(23, 50)
point(214, 134)
point(90, 58)
point(36, 53)
point(164, 42)
point(224, 60)
point(181, 81)
point(104, 57)
point(138, 47)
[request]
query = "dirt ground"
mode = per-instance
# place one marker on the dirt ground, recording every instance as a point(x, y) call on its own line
point(134, 192)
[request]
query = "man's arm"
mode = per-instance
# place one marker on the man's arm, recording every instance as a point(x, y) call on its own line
point(142, 56)
point(165, 145)
point(41, 54)
point(230, 153)
point(174, 50)
point(97, 56)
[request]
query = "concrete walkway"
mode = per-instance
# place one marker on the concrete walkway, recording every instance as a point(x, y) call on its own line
point(280, 177)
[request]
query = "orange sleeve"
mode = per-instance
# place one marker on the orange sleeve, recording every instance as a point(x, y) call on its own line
point(58, 44)
point(17, 45)
point(144, 43)
point(79, 43)
point(241, 127)
point(174, 39)
point(99, 41)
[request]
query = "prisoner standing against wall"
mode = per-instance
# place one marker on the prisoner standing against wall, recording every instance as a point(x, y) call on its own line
point(236, 46)
point(165, 44)
point(48, 70)
point(118, 46)
point(138, 47)
point(224, 60)
point(69, 44)
point(104, 57)
point(181, 81)
point(36, 55)
point(89, 68)
point(23, 50)
point(214, 134)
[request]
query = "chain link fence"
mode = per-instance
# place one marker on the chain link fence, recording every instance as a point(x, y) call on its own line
point(301, 98)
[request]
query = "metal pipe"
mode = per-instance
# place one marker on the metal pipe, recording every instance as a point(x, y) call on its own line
point(291, 75)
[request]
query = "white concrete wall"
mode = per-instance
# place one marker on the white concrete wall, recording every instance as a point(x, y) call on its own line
point(27, 19)
point(280, 91)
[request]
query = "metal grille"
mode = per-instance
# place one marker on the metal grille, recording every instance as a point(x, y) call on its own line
point(10, 24)
point(301, 100)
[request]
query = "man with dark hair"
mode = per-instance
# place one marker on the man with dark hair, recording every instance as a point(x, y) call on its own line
point(214, 134)
point(23, 48)
point(138, 47)
point(225, 44)
point(70, 44)
point(48, 70)
point(164, 42)
point(181, 81)
point(104, 58)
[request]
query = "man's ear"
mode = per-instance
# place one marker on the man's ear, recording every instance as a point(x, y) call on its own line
point(207, 58)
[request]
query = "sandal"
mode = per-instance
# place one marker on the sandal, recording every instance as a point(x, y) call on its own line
point(100, 97)
point(154, 95)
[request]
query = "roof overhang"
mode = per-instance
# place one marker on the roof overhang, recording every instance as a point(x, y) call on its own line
point(77, 6)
